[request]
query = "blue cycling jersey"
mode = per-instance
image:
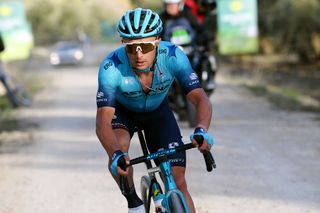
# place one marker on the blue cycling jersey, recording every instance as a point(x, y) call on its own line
point(119, 83)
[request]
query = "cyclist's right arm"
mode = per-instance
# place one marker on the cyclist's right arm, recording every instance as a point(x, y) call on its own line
point(108, 83)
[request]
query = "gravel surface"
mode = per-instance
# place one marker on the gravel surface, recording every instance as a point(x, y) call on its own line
point(267, 159)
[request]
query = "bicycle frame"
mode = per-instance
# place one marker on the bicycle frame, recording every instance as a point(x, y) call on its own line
point(169, 184)
point(172, 197)
point(165, 170)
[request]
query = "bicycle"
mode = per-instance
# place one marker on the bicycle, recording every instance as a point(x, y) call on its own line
point(16, 93)
point(171, 199)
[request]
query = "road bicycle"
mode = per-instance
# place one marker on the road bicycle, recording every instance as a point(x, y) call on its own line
point(169, 200)
point(15, 91)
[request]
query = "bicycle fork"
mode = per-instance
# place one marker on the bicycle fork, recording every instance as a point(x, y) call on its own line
point(170, 187)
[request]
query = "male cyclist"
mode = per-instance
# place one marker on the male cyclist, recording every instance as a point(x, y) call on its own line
point(179, 24)
point(133, 84)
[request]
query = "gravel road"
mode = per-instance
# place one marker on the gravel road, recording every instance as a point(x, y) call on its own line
point(267, 159)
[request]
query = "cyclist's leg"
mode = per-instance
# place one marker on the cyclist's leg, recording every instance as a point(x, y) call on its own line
point(178, 173)
point(124, 128)
point(162, 131)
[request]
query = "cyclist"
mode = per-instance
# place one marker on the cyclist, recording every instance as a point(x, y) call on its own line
point(133, 84)
point(179, 24)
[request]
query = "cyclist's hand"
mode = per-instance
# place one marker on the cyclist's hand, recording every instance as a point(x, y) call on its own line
point(119, 158)
point(207, 139)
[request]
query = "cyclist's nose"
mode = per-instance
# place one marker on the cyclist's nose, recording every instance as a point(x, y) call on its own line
point(139, 53)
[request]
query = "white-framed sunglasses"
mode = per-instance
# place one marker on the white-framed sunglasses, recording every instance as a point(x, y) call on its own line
point(144, 47)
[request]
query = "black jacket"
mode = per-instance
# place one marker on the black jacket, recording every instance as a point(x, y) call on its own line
point(199, 29)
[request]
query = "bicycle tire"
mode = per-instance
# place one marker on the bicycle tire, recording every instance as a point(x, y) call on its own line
point(16, 93)
point(144, 187)
point(175, 204)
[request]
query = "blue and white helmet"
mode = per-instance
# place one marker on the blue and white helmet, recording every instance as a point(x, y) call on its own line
point(140, 23)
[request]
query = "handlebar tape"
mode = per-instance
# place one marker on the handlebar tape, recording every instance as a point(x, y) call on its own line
point(208, 158)
point(124, 185)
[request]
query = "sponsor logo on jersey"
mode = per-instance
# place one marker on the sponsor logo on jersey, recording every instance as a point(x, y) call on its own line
point(173, 145)
point(163, 51)
point(193, 82)
point(107, 65)
point(193, 76)
point(132, 94)
point(100, 94)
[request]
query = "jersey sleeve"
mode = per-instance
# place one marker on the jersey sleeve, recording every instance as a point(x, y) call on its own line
point(108, 80)
point(183, 71)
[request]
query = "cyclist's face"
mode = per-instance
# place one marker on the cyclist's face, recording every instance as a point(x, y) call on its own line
point(172, 9)
point(141, 52)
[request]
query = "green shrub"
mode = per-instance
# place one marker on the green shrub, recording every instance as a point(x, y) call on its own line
point(291, 24)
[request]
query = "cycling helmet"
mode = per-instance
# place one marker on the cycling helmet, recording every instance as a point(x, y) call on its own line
point(180, 2)
point(139, 23)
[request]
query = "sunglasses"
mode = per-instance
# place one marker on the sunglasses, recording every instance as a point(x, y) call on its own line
point(144, 47)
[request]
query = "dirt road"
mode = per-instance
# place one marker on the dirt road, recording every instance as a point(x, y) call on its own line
point(267, 159)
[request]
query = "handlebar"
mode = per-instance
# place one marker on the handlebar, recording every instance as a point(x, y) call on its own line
point(210, 163)
point(208, 158)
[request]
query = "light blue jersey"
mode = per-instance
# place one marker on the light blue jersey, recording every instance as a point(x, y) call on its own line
point(119, 84)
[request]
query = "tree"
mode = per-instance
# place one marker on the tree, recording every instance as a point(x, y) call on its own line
point(292, 25)
point(54, 20)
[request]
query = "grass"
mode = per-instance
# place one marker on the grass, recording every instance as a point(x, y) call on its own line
point(284, 81)
point(33, 82)
point(7, 121)
point(288, 99)
point(4, 103)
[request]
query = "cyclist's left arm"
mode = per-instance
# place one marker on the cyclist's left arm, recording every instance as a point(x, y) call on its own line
point(192, 88)
point(204, 113)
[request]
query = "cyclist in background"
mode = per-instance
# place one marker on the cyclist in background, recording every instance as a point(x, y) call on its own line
point(133, 84)
point(176, 18)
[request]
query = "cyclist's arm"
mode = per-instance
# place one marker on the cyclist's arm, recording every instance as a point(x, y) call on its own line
point(203, 107)
point(104, 129)
point(192, 88)
point(108, 79)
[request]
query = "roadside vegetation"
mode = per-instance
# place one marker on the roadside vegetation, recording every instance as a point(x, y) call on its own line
point(287, 69)
point(54, 20)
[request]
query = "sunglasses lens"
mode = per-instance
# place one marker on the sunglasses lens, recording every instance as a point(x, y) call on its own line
point(130, 48)
point(143, 47)
point(147, 47)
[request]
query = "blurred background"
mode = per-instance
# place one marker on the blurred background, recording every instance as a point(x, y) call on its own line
point(275, 44)
point(266, 103)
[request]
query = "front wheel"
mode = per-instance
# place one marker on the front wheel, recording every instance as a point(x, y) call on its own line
point(144, 187)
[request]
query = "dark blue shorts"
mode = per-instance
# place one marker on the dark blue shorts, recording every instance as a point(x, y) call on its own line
point(160, 128)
